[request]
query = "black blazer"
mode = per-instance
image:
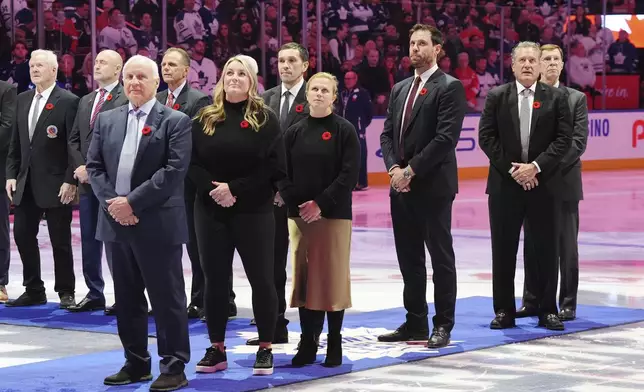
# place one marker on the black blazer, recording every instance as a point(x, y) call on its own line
point(431, 135)
point(8, 95)
point(81, 134)
point(189, 101)
point(273, 97)
point(500, 136)
point(572, 188)
point(45, 160)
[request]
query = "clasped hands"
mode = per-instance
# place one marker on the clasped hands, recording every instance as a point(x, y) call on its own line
point(310, 211)
point(121, 211)
point(221, 194)
point(525, 175)
point(398, 181)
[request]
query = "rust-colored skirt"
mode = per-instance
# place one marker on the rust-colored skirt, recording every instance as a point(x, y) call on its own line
point(320, 253)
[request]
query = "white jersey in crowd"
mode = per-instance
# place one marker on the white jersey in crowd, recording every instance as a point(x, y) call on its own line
point(206, 75)
point(5, 8)
point(581, 71)
point(188, 26)
point(111, 38)
point(486, 83)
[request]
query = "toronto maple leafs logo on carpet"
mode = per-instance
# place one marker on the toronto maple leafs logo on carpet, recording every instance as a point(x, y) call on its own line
point(357, 344)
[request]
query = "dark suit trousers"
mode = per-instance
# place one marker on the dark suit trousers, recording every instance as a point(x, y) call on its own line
point(508, 212)
point(568, 260)
point(252, 235)
point(281, 258)
point(92, 249)
point(363, 176)
point(156, 267)
point(419, 222)
point(5, 240)
point(25, 230)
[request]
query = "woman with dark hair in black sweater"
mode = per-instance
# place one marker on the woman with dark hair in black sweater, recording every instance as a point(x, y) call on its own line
point(323, 162)
point(237, 149)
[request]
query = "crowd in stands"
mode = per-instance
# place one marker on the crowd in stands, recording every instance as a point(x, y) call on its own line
point(368, 37)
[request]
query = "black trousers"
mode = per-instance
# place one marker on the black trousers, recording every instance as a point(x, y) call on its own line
point(252, 235)
point(568, 260)
point(419, 222)
point(508, 212)
point(363, 174)
point(156, 267)
point(5, 240)
point(197, 285)
point(26, 225)
point(280, 260)
point(92, 249)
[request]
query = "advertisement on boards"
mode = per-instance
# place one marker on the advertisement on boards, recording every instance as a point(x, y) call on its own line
point(611, 135)
point(621, 92)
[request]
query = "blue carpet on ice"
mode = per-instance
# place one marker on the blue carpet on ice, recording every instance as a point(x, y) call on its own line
point(361, 350)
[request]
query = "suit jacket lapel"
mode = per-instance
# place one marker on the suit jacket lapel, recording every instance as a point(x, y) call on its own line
point(274, 102)
point(119, 127)
point(300, 99)
point(153, 120)
point(44, 114)
point(513, 105)
point(115, 93)
point(430, 85)
point(182, 99)
point(539, 95)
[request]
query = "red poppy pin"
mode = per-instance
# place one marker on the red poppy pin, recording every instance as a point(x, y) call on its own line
point(49, 106)
point(423, 91)
point(244, 124)
point(109, 97)
point(536, 105)
point(326, 135)
point(146, 130)
point(299, 108)
point(176, 106)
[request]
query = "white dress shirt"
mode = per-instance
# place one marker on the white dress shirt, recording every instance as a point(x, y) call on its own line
point(41, 104)
point(108, 90)
point(294, 91)
point(146, 108)
point(520, 89)
point(424, 77)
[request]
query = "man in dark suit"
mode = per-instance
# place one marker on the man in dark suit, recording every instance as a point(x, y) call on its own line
point(7, 111)
point(137, 161)
point(419, 138)
point(525, 130)
point(40, 180)
point(179, 96)
point(571, 192)
point(109, 95)
point(288, 101)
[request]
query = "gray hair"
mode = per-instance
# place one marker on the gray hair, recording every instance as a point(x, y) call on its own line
point(525, 44)
point(50, 57)
point(250, 62)
point(138, 59)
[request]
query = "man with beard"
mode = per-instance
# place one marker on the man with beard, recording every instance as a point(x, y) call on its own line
point(571, 193)
point(205, 68)
point(421, 130)
point(109, 95)
point(288, 100)
point(525, 130)
point(180, 96)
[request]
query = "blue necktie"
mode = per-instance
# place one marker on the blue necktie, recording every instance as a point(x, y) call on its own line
point(128, 154)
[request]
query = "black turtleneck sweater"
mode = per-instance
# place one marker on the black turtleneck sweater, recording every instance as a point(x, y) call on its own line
point(323, 162)
point(241, 157)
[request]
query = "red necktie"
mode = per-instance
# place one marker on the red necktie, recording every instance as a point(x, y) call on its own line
point(170, 100)
point(99, 105)
point(408, 109)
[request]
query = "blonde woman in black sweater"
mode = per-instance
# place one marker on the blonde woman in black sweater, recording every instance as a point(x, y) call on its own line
point(237, 149)
point(323, 162)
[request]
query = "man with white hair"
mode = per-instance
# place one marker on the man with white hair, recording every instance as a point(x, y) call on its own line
point(40, 180)
point(136, 172)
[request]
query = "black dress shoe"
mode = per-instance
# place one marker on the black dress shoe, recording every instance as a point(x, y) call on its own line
point(567, 314)
point(502, 321)
point(551, 322)
point(527, 311)
point(87, 305)
point(169, 382)
point(252, 321)
point(67, 300)
point(110, 310)
point(27, 299)
point(127, 376)
point(280, 337)
point(440, 338)
point(403, 334)
point(195, 312)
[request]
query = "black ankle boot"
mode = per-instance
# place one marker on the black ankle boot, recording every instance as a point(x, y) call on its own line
point(333, 350)
point(306, 351)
